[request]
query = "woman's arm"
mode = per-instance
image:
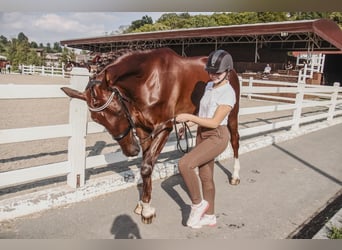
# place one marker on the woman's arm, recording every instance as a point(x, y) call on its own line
point(220, 113)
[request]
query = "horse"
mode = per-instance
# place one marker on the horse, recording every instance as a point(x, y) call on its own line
point(70, 64)
point(137, 97)
point(3, 64)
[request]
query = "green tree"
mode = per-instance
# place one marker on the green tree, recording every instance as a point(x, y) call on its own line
point(3, 44)
point(265, 17)
point(135, 25)
point(336, 17)
point(48, 48)
point(34, 45)
point(22, 37)
point(174, 20)
point(200, 21)
point(33, 58)
point(57, 47)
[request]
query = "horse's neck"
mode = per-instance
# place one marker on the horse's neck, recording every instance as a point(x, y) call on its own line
point(139, 119)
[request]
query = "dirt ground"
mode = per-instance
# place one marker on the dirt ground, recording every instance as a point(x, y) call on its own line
point(21, 113)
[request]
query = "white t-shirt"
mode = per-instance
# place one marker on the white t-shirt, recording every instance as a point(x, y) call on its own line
point(213, 97)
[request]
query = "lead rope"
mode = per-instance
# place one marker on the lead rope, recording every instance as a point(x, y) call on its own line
point(186, 133)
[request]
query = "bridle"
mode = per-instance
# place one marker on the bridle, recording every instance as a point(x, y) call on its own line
point(115, 91)
point(155, 132)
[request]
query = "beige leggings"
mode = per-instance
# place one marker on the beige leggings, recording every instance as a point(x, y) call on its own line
point(209, 144)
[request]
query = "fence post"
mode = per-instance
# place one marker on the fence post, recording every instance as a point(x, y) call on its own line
point(299, 104)
point(250, 85)
point(78, 122)
point(333, 102)
point(63, 73)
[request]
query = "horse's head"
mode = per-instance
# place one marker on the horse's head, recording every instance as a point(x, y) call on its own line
point(109, 108)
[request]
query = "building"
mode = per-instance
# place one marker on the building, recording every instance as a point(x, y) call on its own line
point(252, 45)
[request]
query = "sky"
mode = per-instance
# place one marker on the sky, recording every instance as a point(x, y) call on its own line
point(51, 27)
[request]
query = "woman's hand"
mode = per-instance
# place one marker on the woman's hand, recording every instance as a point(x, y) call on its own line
point(181, 132)
point(182, 117)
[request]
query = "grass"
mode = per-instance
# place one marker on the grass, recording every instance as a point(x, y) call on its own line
point(335, 233)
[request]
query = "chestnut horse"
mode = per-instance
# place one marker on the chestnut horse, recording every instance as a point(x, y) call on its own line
point(142, 92)
point(70, 64)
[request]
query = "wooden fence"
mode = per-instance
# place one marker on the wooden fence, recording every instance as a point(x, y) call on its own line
point(78, 127)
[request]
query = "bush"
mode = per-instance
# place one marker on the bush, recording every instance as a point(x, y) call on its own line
point(335, 233)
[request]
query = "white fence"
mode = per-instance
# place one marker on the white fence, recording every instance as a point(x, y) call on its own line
point(316, 64)
point(43, 70)
point(78, 127)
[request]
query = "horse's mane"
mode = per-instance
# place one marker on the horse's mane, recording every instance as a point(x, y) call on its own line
point(111, 57)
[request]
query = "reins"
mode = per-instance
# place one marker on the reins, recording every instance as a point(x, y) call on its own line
point(186, 132)
point(162, 127)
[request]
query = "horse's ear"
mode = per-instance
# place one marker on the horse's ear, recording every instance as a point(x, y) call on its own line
point(107, 77)
point(74, 93)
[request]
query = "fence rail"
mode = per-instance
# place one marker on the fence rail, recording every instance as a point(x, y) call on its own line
point(328, 97)
point(43, 70)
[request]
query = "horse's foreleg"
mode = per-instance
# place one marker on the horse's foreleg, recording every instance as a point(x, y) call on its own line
point(150, 156)
point(144, 207)
point(235, 137)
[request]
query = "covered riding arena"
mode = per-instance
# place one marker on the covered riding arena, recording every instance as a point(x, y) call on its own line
point(252, 46)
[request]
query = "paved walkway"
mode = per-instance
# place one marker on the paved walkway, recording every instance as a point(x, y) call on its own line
point(281, 186)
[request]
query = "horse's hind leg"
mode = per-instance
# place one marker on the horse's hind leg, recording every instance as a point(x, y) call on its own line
point(235, 137)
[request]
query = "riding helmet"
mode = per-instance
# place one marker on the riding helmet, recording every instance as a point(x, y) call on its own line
point(219, 61)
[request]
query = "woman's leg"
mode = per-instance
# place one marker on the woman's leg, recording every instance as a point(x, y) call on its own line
point(206, 174)
point(209, 145)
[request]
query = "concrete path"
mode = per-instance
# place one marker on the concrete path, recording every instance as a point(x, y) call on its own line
point(281, 186)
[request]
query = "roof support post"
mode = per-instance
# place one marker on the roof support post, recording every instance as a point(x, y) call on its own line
point(256, 50)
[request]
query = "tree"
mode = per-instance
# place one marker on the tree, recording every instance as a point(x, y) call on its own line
point(48, 48)
point(22, 37)
point(3, 44)
point(336, 17)
point(34, 45)
point(56, 47)
point(152, 27)
point(135, 25)
point(174, 20)
point(200, 21)
point(266, 17)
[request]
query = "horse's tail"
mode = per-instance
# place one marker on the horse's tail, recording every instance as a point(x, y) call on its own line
point(235, 83)
point(233, 122)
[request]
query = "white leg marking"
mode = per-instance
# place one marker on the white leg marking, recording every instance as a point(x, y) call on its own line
point(236, 169)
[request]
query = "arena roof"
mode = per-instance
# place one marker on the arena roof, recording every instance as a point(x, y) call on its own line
point(308, 35)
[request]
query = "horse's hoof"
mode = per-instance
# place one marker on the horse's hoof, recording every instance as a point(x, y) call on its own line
point(147, 220)
point(138, 209)
point(147, 213)
point(235, 181)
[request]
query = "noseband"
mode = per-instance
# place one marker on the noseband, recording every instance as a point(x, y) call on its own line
point(121, 99)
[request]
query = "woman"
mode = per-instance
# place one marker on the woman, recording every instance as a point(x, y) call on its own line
point(212, 139)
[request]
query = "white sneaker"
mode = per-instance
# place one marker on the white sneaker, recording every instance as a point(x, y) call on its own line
point(208, 220)
point(197, 211)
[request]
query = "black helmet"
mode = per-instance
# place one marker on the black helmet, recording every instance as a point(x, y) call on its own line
point(219, 61)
